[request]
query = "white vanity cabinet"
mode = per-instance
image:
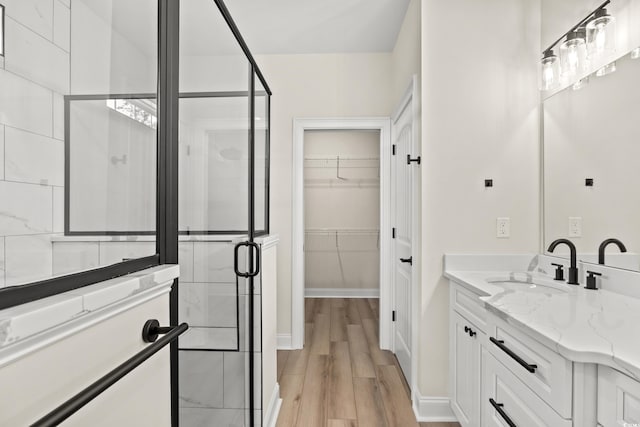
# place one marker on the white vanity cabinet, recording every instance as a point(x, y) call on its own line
point(467, 323)
point(618, 398)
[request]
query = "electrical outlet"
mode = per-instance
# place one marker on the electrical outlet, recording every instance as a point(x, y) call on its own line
point(503, 228)
point(575, 226)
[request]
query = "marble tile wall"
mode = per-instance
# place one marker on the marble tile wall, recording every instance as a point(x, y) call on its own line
point(34, 77)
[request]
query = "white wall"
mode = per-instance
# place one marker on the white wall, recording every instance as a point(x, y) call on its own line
point(326, 85)
point(479, 120)
point(347, 258)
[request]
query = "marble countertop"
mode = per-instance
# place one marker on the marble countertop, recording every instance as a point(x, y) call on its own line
point(31, 326)
point(582, 325)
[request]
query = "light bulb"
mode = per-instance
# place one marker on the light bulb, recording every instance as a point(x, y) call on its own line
point(601, 35)
point(550, 71)
point(573, 55)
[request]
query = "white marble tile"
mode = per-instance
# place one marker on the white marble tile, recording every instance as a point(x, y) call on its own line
point(29, 211)
point(58, 209)
point(73, 257)
point(207, 417)
point(61, 25)
point(1, 151)
point(21, 321)
point(209, 339)
point(28, 258)
point(208, 304)
point(185, 259)
point(25, 105)
point(33, 158)
point(213, 262)
point(1, 262)
point(201, 379)
point(236, 373)
point(244, 320)
point(34, 58)
point(115, 252)
point(58, 116)
point(34, 14)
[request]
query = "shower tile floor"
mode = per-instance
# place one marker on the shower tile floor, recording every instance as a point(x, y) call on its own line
point(341, 377)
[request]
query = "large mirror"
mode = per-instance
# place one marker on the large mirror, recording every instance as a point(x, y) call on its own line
point(592, 165)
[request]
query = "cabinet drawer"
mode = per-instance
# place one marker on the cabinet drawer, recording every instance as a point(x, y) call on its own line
point(505, 397)
point(544, 371)
point(469, 305)
point(618, 398)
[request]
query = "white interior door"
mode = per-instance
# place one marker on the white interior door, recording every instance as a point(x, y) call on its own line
point(402, 189)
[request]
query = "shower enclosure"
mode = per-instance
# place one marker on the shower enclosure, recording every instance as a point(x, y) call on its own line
point(146, 143)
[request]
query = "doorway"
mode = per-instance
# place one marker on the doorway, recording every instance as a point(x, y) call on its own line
point(341, 213)
point(382, 127)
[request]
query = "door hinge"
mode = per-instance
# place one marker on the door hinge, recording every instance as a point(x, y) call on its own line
point(410, 160)
point(393, 316)
point(393, 233)
point(393, 149)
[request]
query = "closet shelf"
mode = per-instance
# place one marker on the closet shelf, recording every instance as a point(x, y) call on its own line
point(342, 162)
point(342, 183)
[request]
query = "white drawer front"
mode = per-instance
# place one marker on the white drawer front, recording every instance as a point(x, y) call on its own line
point(518, 403)
point(618, 398)
point(469, 305)
point(551, 376)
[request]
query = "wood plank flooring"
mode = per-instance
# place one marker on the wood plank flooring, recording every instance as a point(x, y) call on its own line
point(341, 377)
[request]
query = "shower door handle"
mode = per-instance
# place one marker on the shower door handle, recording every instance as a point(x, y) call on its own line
point(251, 246)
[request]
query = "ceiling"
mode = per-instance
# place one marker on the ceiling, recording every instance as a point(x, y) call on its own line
point(318, 26)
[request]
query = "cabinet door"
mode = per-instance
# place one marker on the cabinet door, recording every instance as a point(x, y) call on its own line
point(465, 372)
point(618, 398)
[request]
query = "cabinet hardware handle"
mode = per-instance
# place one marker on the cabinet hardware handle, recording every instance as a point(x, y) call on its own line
point(407, 260)
point(472, 333)
point(466, 329)
point(525, 365)
point(498, 408)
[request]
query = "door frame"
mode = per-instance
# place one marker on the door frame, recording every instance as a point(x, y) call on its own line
point(412, 96)
point(300, 125)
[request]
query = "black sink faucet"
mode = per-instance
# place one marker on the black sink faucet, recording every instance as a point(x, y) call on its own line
point(573, 270)
point(604, 245)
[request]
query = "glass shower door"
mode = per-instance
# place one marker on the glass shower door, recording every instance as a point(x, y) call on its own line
point(219, 363)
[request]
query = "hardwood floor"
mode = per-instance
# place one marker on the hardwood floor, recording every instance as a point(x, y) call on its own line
point(341, 378)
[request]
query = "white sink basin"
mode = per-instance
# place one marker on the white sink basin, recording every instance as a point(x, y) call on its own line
point(530, 284)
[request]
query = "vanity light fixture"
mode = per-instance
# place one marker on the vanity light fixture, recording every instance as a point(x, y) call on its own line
point(573, 54)
point(1, 30)
point(550, 70)
point(601, 34)
point(580, 83)
point(607, 69)
point(593, 38)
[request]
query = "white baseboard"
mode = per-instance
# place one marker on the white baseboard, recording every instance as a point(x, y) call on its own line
point(284, 342)
point(433, 409)
point(341, 293)
point(271, 414)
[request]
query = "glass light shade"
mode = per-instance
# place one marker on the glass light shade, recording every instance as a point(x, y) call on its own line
point(601, 35)
point(573, 55)
point(550, 71)
point(607, 69)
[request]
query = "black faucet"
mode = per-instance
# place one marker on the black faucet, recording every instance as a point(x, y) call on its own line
point(573, 270)
point(603, 246)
